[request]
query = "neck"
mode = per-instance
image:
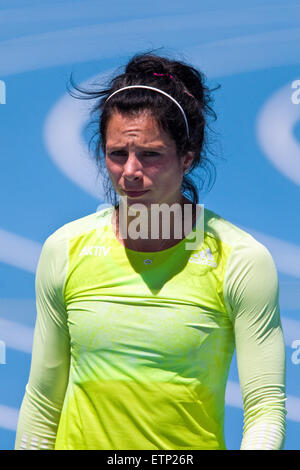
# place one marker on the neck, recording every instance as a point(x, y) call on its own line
point(153, 229)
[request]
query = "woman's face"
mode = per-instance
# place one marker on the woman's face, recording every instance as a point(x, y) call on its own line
point(142, 157)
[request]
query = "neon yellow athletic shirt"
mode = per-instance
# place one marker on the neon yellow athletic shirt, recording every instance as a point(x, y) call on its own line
point(129, 354)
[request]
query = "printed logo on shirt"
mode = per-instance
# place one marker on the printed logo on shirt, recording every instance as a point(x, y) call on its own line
point(94, 251)
point(203, 257)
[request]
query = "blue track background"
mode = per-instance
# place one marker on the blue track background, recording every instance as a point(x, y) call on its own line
point(46, 179)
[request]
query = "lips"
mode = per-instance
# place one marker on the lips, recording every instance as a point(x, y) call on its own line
point(135, 193)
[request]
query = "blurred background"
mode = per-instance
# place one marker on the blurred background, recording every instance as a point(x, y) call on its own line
point(47, 178)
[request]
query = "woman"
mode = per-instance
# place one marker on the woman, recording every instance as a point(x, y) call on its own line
point(135, 332)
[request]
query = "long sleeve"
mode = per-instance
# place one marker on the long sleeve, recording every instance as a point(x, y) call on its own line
point(48, 379)
point(251, 292)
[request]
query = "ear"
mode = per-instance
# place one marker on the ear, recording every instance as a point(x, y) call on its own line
point(187, 160)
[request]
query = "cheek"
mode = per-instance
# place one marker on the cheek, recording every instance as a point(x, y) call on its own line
point(113, 169)
point(171, 170)
point(114, 178)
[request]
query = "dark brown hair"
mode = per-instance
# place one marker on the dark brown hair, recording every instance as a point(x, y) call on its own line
point(186, 84)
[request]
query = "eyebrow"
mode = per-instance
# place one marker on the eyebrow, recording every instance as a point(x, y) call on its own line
point(139, 147)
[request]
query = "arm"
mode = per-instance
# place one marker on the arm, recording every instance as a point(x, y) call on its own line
point(251, 287)
point(45, 390)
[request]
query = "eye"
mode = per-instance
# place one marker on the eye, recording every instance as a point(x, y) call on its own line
point(151, 154)
point(123, 153)
point(118, 153)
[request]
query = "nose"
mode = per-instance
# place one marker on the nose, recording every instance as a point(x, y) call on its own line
point(132, 169)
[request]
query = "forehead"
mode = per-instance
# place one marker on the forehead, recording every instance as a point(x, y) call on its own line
point(142, 125)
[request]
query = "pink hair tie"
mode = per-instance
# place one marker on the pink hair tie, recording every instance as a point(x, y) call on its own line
point(171, 76)
point(162, 74)
point(185, 91)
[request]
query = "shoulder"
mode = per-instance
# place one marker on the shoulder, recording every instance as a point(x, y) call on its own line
point(55, 249)
point(250, 275)
point(246, 261)
point(54, 257)
point(240, 243)
point(224, 230)
point(96, 220)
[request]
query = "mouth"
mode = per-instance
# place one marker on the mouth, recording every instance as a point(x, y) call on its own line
point(135, 193)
